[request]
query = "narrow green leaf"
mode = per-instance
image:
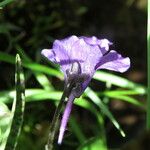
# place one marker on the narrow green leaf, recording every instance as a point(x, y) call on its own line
point(32, 66)
point(43, 69)
point(100, 119)
point(122, 92)
point(77, 129)
point(7, 58)
point(41, 78)
point(99, 75)
point(41, 94)
point(127, 99)
point(93, 96)
point(43, 81)
point(5, 117)
point(31, 95)
point(17, 108)
point(22, 53)
point(118, 81)
point(5, 2)
point(95, 143)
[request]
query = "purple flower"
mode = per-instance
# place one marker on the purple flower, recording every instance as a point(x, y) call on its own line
point(79, 58)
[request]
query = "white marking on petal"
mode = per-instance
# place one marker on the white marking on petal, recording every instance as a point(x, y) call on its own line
point(105, 43)
point(45, 52)
point(82, 42)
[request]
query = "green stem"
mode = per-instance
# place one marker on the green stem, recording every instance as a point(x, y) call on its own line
point(55, 123)
point(148, 59)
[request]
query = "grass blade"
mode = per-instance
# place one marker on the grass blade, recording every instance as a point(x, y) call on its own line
point(77, 129)
point(5, 2)
point(118, 81)
point(92, 95)
point(95, 143)
point(127, 99)
point(5, 121)
point(17, 108)
point(33, 95)
point(43, 81)
point(122, 92)
point(32, 66)
point(123, 95)
point(7, 58)
point(41, 78)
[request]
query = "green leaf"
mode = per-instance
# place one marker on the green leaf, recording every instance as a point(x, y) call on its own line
point(76, 129)
point(17, 108)
point(5, 120)
point(43, 81)
point(99, 75)
point(33, 95)
point(95, 143)
point(122, 92)
point(43, 69)
point(5, 2)
point(95, 99)
point(122, 95)
point(41, 78)
point(118, 81)
point(22, 53)
point(7, 58)
point(32, 66)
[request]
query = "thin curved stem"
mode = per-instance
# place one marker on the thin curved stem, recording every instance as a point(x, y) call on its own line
point(55, 123)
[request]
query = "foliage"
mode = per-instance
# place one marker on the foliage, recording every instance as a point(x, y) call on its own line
point(26, 27)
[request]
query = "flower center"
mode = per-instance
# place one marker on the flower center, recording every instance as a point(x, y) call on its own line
point(75, 78)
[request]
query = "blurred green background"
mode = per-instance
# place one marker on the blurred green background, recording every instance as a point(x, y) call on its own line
point(27, 27)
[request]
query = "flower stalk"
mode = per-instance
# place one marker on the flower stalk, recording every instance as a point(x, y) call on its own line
point(56, 119)
point(55, 123)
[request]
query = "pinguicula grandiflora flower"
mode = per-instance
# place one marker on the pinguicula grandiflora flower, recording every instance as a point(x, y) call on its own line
point(79, 58)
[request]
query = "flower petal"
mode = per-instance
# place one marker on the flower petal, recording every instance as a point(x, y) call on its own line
point(91, 40)
point(62, 48)
point(65, 118)
point(49, 54)
point(104, 44)
point(114, 61)
point(72, 50)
